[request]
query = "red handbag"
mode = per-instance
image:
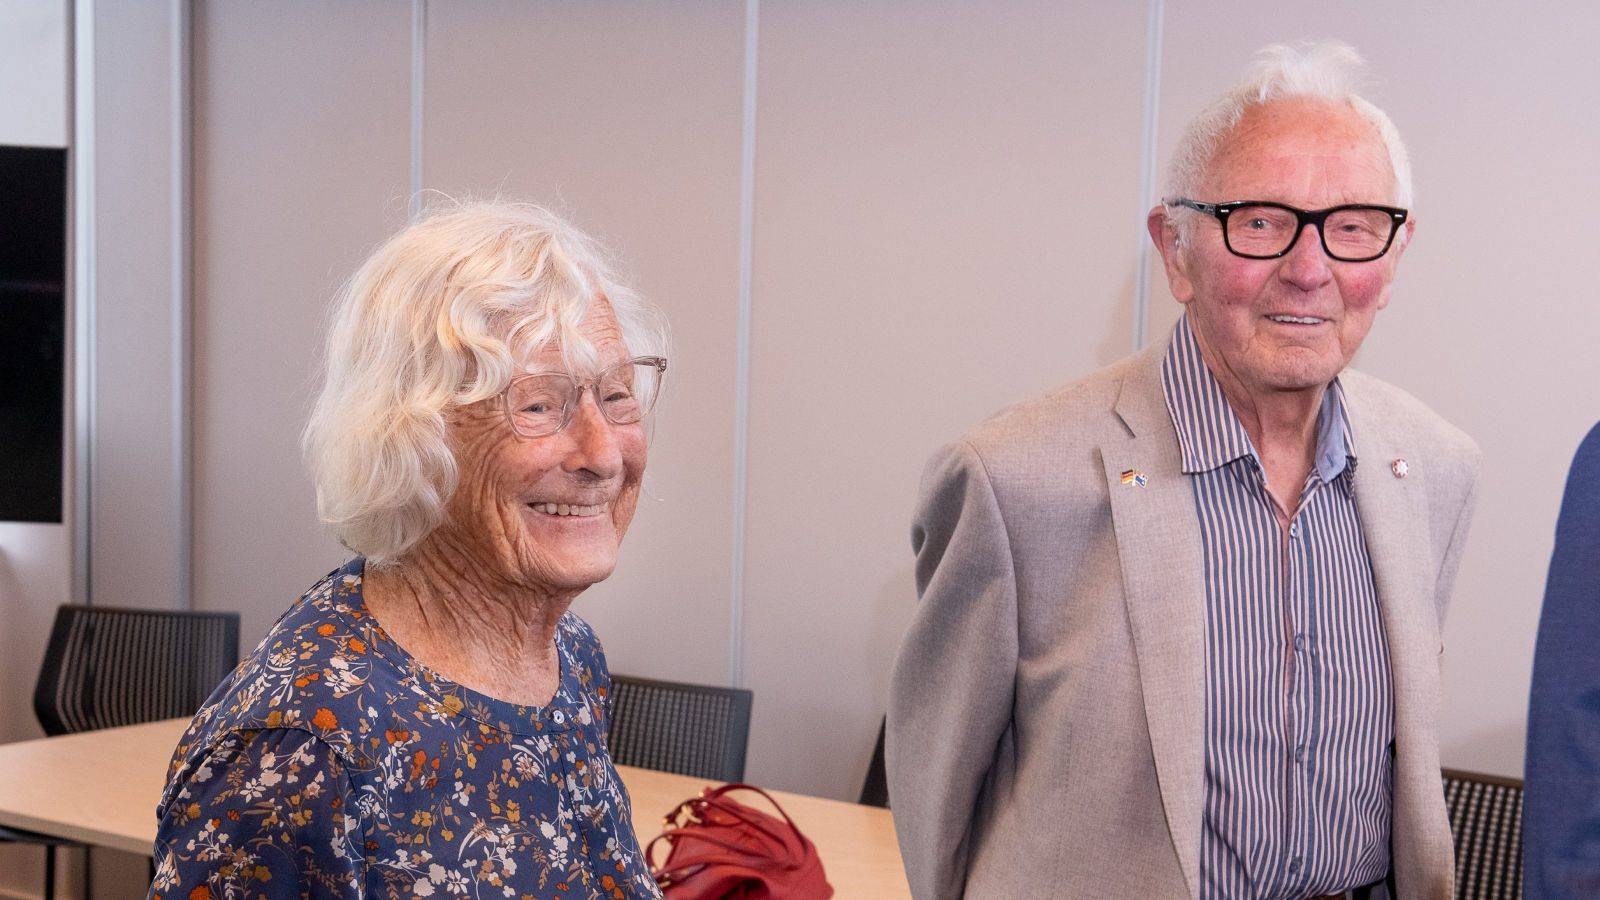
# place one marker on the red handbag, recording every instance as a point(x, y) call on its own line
point(721, 848)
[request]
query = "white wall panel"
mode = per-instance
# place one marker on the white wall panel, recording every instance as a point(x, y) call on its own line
point(33, 73)
point(946, 213)
point(301, 162)
point(627, 117)
point(1488, 324)
point(136, 548)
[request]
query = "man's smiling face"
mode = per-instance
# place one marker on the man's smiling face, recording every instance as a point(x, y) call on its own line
point(1292, 323)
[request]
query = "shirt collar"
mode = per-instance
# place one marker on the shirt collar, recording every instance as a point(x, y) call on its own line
point(1210, 434)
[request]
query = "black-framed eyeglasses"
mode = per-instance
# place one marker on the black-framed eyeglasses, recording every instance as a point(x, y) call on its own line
point(1260, 229)
point(541, 404)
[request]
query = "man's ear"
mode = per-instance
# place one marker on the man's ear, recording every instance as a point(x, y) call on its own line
point(1164, 232)
point(1391, 259)
point(1403, 239)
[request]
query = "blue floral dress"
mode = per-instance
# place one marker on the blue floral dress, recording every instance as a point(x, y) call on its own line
point(332, 764)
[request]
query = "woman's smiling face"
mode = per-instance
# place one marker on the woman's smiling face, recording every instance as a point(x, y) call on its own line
point(548, 513)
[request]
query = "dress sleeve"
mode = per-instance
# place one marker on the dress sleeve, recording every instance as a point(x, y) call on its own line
point(262, 814)
point(950, 695)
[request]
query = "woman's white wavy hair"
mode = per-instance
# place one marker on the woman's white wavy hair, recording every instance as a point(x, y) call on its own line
point(444, 314)
point(1331, 70)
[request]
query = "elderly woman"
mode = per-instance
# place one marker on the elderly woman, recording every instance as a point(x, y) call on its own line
point(430, 719)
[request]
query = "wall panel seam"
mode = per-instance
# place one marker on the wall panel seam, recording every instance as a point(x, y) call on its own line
point(182, 299)
point(82, 162)
point(419, 48)
point(1147, 170)
point(741, 402)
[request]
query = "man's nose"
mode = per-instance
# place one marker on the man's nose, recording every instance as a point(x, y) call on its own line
point(1306, 265)
point(594, 444)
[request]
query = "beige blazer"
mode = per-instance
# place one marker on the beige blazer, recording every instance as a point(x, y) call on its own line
point(1045, 722)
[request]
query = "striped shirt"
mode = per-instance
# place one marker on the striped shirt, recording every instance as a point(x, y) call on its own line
point(1299, 708)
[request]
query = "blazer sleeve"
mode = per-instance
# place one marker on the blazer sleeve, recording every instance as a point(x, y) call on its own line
point(950, 695)
point(1562, 804)
point(1461, 524)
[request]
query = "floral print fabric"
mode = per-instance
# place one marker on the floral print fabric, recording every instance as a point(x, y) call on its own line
point(332, 764)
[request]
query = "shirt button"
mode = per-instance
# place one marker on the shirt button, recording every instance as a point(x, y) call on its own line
point(1300, 752)
point(1299, 642)
point(1294, 529)
point(1294, 865)
point(558, 716)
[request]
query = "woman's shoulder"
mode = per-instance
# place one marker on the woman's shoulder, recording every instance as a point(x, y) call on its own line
point(315, 671)
point(243, 761)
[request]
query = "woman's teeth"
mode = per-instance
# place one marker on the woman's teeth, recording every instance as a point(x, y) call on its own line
point(567, 509)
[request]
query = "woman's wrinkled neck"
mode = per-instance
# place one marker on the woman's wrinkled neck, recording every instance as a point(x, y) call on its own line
point(453, 615)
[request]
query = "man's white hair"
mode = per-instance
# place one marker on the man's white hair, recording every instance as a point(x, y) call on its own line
point(444, 314)
point(1331, 70)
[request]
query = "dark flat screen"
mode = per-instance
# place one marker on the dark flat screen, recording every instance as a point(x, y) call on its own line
point(33, 316)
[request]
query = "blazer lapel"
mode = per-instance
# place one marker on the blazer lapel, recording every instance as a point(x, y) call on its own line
point(1158, 540)
point(1393, 510)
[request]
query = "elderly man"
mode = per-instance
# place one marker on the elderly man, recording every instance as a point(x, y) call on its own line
point(1179, 622)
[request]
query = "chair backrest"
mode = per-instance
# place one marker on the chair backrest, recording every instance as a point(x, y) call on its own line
point(875, 787)
point(1486, 823)
point(107, 666)
point(690, 729)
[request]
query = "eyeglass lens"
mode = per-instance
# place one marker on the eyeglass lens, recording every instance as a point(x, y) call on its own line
point(541, 404)
point(1353, 234)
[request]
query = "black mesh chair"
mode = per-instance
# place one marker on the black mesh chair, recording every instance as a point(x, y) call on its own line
point(106, 667)
point(875, 787)
point(1486, 824)
point(690, 729)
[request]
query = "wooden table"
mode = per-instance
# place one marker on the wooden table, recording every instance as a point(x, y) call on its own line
point(101, 788)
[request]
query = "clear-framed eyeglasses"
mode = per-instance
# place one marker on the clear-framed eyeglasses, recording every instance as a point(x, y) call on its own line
point(1261, 229)
point(543, 403)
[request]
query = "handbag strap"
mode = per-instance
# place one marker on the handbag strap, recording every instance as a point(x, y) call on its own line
point(712, 796)
point(677, 829)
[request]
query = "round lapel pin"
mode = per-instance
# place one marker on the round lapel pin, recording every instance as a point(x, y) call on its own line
point(1399, 468)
